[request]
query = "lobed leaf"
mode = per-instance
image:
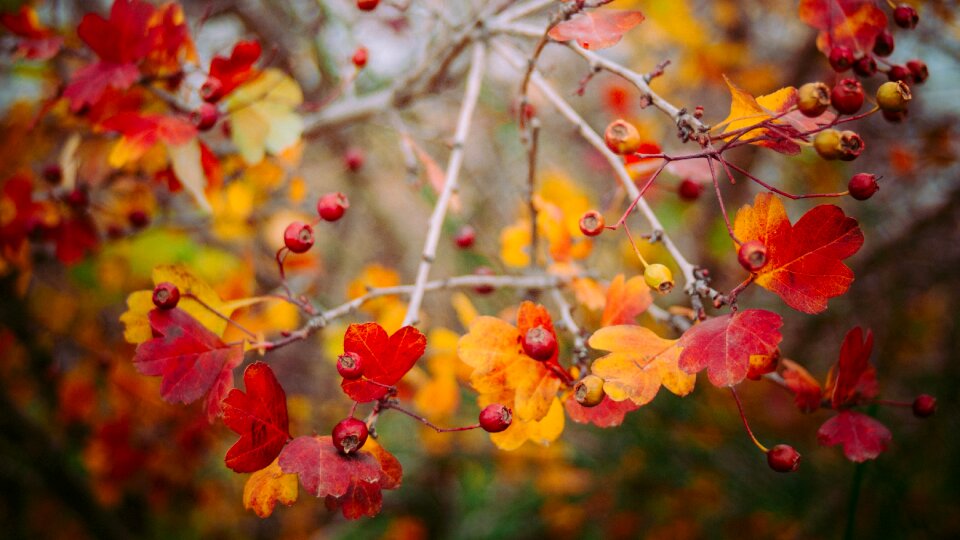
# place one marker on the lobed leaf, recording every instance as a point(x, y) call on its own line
point(723, 345)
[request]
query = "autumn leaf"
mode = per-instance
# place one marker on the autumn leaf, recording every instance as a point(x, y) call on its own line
point(140, 131)
point(804, 263)
point(625, 300)
point(543, 431)
point(259, 416)
point(844, 23)
point(806, 390)
point(746, 111)
point(596, 29)
point(263, 117)
point(267, 487)
point(862, 437)
point(365, 498)
point(723, 345)
point(852, 380)
point(232, 71)
point(191, 360)
point(608, 413)
point(386, 359)
point(638, 363)
point(37, 41)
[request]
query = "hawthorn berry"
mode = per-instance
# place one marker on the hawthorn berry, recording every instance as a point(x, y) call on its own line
point(689, 190)
point(349, 435)
point(539, 343)
point(883, 44)
point(658, 278)
point(827, 144)
point(332, 206)
point(205, 116)
point(353, 158)
point(840, 58)
point(298, 237)
point(465, 237)
point(483, 271)
point(622, 137)
point(350, 366)
point(589, 391)
point(166, 295)
point(783, 458)
point(752, 255)
point(591, 223)
point(865, 66)
point(924, 406)
point(495, 418)
point(78, 198)
point(918, 69)
point(862, 186)
point(905, 16)
point(851, 146)
point(360, 57)
point(52, 174)
point(893, 96)
point(138, 219)
point(899, 73)
point(847, 96)
point(367, 5)
point(212, 90)
point(813, 98)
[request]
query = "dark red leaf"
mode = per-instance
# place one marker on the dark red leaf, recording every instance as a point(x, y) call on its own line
point(723, 345)
point(125, 37)
point(862, 437)
point(362, 499)
point(806, 390)
point(90, 82)
point(847, 23)
point(385, 359)
point(259, 416)
point(323, 470)
point(853, 380)
point(190, 358)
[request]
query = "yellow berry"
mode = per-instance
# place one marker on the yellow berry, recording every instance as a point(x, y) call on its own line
point(893, 96)
point(813, 99)
point(589, 392)
point(827, 144)
point(659, 278)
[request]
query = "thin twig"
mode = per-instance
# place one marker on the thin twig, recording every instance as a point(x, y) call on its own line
point(580, 354)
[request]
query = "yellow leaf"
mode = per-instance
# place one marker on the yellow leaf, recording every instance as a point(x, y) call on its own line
point(542, 432)
point(637, 363)
point(745, 110)
point(263, 117)
point(514, 244)
point(489, 348)
point(187, 165)
point(266, 487)
point(465, 309)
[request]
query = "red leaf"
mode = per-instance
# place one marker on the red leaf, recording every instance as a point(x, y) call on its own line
point(608, 413)
point(597, 29)
point(190, 358)
point(75, 236)
point(848, 23)
point(89, 83)
point(385, 359)
point(125, 38)
point(37, 41)
point(238, 68)
point(862, 437)
point(323, 470)
point(259, 416)
point(853, 380)
point(724, 344)
point(362, 499)
point(16, 210)
point(806, 390)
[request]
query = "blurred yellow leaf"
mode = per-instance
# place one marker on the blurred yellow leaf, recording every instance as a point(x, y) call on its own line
point(262, 115)
point(266, 487)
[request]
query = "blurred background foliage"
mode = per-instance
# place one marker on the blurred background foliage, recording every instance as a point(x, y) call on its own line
point(88, 449)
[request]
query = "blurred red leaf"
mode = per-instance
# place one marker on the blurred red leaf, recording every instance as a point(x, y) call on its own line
point(847, 23)
point(89, 83)
point(625, 300)
point(608, 413)
point(804, 263)
point(191, 359)
point(723, 345)
point(385, 359)
point(806, 390)
point(37, 41)
point(16, 210)
point(596, 29)
point(852, 379)
point(74, 236)
point(236, 69)
point(259, 416)
point(862, 437)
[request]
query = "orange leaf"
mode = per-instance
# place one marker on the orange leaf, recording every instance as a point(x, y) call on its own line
point(806, 390)
point(266, 487)
point(804, 263)
point(638, 363)
point(746, 111)
point(597, 29)
point(625, 300)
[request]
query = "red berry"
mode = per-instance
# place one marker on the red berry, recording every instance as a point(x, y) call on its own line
point(862, 186)
point(298, 237)
point(465, 237)
point(78, 198)
point(360, 57)
point(591, 223)
point(918, 69)
point(483, 271)
point(138, 219)
point(53, 174)
point(332, 206)
point(847, 96)
point(354, 159)
point(924, 406)
point(495, 418)
point(166, 295)
point(783, 458)
point(539, 343)
point(899, 73)
point(349, 366)
point(752, 255)
point(689, 190)
point(212, 90)
point(905, 16)
point(841, 58)
point(205, 116)
point(350, 435)
point(367, 5)
point(865, 66)
point(883, 44)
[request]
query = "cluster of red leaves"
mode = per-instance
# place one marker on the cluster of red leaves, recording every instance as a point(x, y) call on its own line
point(844, 23)
point(36, 42)
point(852, 381)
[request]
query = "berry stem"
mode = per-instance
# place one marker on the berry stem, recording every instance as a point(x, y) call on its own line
point(634, 246)
point(424, 421)
point(744, 172)
point(723, 209)
point(736, 397)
